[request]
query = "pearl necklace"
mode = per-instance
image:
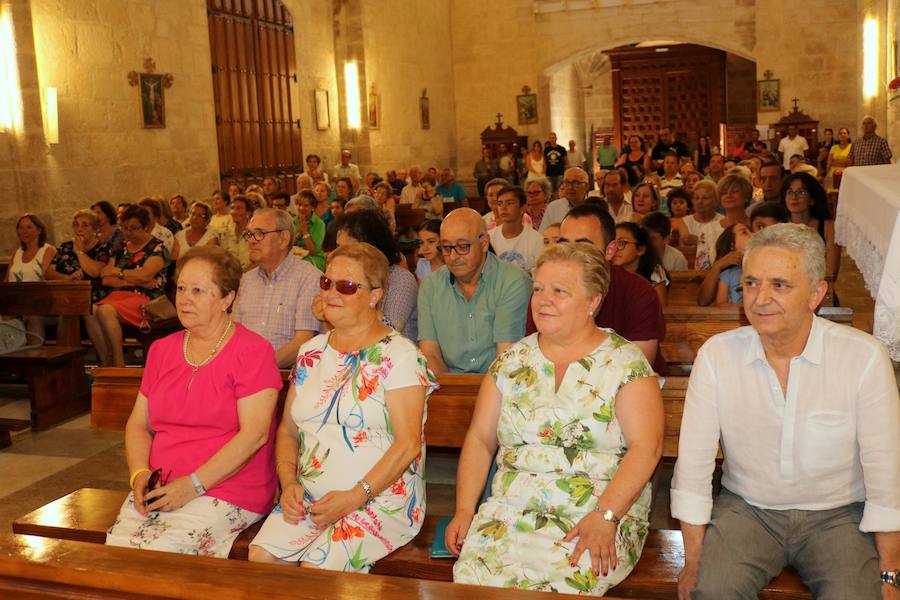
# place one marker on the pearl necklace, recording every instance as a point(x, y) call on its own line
point(196, 366)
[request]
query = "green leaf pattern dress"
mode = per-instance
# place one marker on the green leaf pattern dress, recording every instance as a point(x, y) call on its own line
point(558, 451)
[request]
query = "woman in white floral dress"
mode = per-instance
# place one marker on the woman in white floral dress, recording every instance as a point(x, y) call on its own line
point(578, 417)
point(350, 449)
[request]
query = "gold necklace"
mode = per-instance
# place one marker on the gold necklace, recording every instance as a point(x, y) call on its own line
point(196, 366)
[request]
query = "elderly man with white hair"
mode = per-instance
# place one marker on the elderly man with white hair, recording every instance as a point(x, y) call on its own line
point(808, 417)
point(870, 149)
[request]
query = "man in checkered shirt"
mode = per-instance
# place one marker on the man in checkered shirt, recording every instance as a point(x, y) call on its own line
point(275, 297)
point(870, 149)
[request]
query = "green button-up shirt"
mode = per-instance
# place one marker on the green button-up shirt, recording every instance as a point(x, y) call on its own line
point(468, 331)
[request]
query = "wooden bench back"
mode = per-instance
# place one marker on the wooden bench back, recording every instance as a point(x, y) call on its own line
point(68, 300)
point(32, 567)
point(406, 217)
point(683, 287)
point(450, 408)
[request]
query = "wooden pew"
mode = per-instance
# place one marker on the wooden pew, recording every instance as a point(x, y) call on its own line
point(57, 385)
point(688, 328)
point(33, 568)
point(683, 287)
point(85, 515)
point(406, 216)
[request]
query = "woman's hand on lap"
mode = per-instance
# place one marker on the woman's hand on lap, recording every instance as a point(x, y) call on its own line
point(140, 488)
point(456, 532)
point(172, 496)
point(598, 537)
point(334, 506)
point(292, 506)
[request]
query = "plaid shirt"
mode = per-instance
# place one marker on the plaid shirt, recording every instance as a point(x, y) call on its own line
point(870, 150)
point(277, 307)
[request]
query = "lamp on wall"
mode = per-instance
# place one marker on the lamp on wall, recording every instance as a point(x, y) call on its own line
point(351, 93)
point(10, 94)
point(870, 57)
point(51, 116)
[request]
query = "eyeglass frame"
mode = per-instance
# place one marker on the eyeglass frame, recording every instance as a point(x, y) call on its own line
point(258, 235)
point(798, 193)
point(447, 249)
point(325, 280)
point(622, 243)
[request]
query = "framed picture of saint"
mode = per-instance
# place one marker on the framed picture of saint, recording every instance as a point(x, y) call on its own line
point(526, 105)
point(768, 96)
point(153, 103)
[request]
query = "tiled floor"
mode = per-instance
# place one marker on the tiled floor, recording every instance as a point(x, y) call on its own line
point(40, 467)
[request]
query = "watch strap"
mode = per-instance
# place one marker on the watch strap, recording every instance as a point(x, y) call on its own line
point(891, 578)
point(198, 486)
point(607, 514)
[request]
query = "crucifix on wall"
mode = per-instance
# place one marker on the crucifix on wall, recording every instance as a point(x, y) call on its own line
point(152, 97)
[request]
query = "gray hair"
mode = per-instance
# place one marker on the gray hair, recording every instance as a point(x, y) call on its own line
point(283, 219)
point(796, 238)
point(90, 215)
point(496, 181)
point(363, 201)
point(543, 182)
point(742, 171)
point(870, 118)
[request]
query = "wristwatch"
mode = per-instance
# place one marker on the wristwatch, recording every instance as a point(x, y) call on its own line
point(891, 578)
point(607, 514)
point(198, 487)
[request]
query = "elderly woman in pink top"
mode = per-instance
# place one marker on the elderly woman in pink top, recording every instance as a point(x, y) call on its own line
point(199, 442)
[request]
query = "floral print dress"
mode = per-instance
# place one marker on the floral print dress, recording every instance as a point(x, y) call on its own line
point(558, 451)
point(342, 415)
point(135, 260)
point(66, 262)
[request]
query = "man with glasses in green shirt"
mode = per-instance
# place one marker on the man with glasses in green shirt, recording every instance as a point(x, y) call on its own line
point(473, 307)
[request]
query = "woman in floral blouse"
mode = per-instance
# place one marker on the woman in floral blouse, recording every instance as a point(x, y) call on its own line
point(82, 257)
point(137, 274)
point(350, 450)
point(578, 418)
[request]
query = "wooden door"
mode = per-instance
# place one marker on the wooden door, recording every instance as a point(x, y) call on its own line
point(255, 90)
point(682, 87)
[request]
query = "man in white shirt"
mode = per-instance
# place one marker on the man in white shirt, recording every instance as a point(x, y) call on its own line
point(613, 189)
point(808, 417)
point(411, 192)
point(576, 157)
point(347, 169)
point(572, 192)
point(791, 145)
point(513, 241)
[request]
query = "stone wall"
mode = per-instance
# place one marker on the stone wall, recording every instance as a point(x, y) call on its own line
point(567, 107)
point(884, 107)
point(408, 49)
point(797, 41)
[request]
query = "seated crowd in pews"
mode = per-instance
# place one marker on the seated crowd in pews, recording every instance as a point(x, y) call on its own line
point(570, 414)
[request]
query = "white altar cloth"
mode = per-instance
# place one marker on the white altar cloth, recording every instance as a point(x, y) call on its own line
point(868, 226)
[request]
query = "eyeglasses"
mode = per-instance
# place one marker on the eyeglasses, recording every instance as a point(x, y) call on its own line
point(799, 193)
point(462, 248)
point(621, 243)
point(258, 234)
point(574, 182)
point(344, 287)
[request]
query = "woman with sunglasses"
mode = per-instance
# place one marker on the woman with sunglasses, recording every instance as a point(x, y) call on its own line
point(400, 298)
point(349, 448)
point(199, 441)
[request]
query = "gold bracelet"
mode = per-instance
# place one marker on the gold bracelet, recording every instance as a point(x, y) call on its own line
point(135, 474)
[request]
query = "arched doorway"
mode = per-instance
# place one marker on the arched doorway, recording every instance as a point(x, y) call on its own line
point(695, 88)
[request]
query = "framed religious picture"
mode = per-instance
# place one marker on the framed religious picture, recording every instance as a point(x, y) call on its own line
point(323, 119)
point(768, 95)
point(424, 111)
point(153, 103)
point(374, 111)
point(526, 106)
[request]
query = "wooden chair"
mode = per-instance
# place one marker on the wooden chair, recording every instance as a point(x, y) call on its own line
point(57, 385)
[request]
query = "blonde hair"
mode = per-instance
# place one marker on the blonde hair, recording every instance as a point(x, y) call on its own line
point(740, 183)
point(90, 215)
point(706, 184)
point(373, 262)
point(593, 263)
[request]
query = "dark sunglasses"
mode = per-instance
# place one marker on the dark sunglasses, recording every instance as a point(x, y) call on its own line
point(343, 286)
point(156, 479)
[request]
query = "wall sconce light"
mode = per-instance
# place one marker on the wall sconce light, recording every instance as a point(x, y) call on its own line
point(870, 57)
point(351, 93)
point(51, 116)
point(10, 94)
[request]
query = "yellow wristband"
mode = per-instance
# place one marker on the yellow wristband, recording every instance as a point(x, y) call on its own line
point(135, 474)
